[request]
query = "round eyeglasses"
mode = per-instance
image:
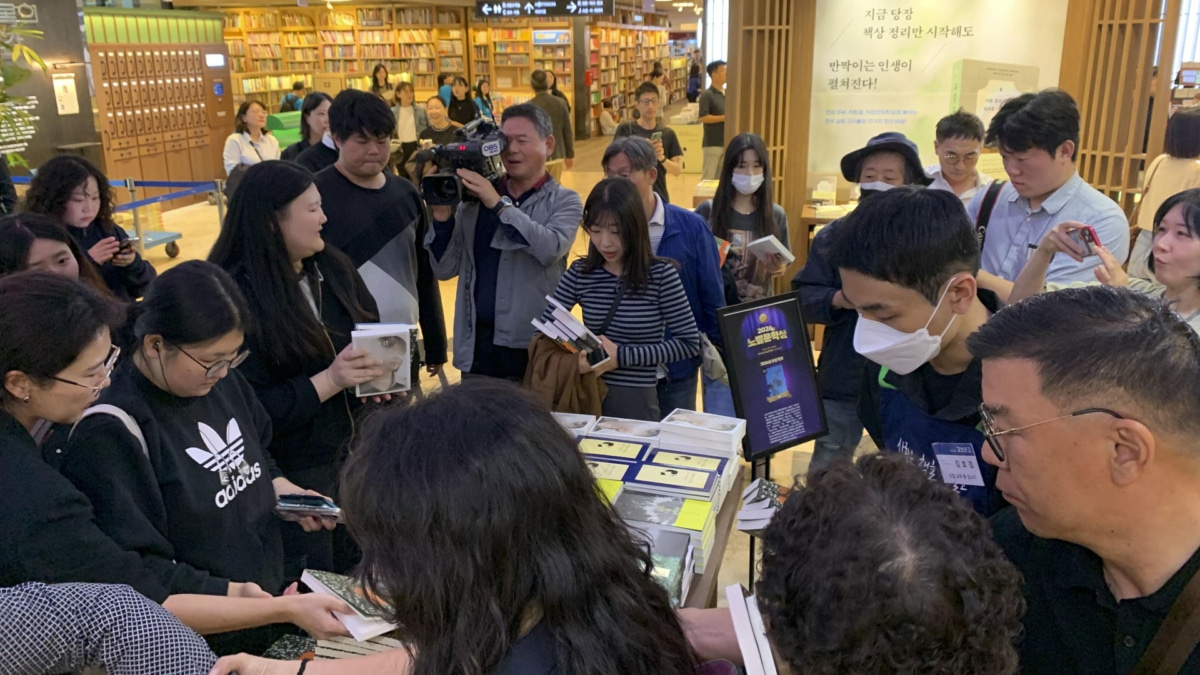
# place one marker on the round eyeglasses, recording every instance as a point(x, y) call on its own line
point(213, 370)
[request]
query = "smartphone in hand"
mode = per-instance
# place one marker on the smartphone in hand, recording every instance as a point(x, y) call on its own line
point(295, 507)
point(128, 244)
point(1086, 239)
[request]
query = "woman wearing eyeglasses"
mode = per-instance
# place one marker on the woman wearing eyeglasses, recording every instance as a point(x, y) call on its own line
point(197, 491)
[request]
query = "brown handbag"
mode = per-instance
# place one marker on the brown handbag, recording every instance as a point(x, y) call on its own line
point(1177, 637)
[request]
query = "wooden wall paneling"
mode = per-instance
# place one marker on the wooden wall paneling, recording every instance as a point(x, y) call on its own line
point(1077, 40)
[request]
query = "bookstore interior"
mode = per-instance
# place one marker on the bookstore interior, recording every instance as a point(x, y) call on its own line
point(150, 94)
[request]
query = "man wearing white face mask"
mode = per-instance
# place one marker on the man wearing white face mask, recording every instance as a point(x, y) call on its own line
point(888, 160)
point(908, 260)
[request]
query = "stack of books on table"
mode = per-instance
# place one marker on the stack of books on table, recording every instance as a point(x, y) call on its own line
point(575, 424)
point(673, 555)
point(757, 657)
point(760, 501)
point(639, 467)
point(691, 433)
point(621, 429)
point(649, 514)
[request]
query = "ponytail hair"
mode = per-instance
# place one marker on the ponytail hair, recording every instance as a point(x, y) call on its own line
point(191, 303)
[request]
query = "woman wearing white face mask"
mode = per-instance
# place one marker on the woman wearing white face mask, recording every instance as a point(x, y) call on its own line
point(742, 211)
point(907, 260)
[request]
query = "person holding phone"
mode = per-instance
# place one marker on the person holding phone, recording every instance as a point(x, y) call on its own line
point(1174, 259)
point(630, 298)
point(31, 241)
point(73, 191)
point(194, 486)
point(667, 149)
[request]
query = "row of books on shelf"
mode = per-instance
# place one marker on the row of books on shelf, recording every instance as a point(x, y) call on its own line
point(249, 21)
point(338, 36)
point(250, 85)
point(512, 59)
point(450, 47)
point(262, 38)
point(332, 52)
point(294, 54)
point(260, 65)
point(296, 20)
point(265, 51)
point(299, 40)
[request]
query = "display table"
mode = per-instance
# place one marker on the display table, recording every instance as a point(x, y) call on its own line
point(703, 593)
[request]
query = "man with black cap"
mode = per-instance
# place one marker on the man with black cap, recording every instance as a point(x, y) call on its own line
point(886, 161)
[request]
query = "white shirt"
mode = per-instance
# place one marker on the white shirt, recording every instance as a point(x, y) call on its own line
point(239, 149)
point(940, 183)
point(406, 125)
point(658, 224)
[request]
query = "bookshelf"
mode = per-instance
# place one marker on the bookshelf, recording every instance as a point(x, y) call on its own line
point(678, 78)
point(481, 54)
point(450, 36)
point(512, 53)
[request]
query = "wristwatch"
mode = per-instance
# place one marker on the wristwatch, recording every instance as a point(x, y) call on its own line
point(504, 203)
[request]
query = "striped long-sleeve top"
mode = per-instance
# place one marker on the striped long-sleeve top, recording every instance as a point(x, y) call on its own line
point(638, 327)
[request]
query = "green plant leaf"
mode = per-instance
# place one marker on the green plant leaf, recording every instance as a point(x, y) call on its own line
point(13, 74)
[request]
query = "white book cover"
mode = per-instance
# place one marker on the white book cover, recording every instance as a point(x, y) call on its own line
point(744, 610)
point(770, 245)
point(575, 424)
point(622, 429)
point(393, 344)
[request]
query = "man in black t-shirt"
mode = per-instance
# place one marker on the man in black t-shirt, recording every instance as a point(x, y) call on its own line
point(666, 144)
point(1089, 408)
point(377, 218)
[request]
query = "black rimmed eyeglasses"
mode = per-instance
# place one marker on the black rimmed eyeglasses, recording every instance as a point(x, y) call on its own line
point(211, 371)
point(109, 363)
point(993, 436)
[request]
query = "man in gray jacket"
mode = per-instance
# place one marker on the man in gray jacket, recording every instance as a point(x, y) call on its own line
point(508, 249)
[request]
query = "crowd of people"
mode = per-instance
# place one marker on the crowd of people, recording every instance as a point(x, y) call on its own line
point(147, 442)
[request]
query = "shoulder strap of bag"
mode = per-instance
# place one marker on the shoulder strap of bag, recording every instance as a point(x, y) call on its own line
point(1137, 208)
point(131, 425)
point(612, 311)
point(985, 209)
point(1176, 637)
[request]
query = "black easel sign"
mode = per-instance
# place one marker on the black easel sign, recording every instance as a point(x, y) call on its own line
point(771, 374)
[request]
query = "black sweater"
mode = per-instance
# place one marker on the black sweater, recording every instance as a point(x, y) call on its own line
point(383, 233)
point(48, 533)
point(127, 283)
point(307, 433)
point(317, 157)
point(172, 505)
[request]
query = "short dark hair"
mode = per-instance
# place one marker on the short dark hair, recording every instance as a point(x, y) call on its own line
point(712, 67)
point(645, 88)
point(539, 118)
point(18, 232)
point(358, 112)
point(298, 85)
point(908, 236)
point(873, 568)
point(442, 77)
point(1044, 120)
point(1190, 201)
point(606, 104)
point(461, 590)
point(960, 124)
point(1104, 347)
point(433, 98)
point(191, 303)
point(35, 305)
point(539, 81)
point(1183, 134)
point(637, 149)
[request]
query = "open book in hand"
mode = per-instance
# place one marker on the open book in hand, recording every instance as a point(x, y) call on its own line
point(768, 246)
point(393, 344)
point(570, 333)
point(367, 620)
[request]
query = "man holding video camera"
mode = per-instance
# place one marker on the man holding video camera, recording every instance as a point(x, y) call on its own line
point(507, 246)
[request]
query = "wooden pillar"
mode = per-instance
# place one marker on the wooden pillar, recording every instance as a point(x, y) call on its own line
point(770, 68)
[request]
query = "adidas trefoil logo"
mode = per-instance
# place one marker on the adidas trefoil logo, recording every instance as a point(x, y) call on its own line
point(225, 456)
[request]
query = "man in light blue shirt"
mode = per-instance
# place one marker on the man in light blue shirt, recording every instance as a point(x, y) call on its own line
point(1038, 135)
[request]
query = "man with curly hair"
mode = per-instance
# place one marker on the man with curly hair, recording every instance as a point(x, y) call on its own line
point(1090, 400)
point(874, 568)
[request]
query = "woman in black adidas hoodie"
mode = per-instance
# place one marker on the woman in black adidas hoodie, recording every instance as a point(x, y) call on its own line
point(306, 298)
point(174, 459)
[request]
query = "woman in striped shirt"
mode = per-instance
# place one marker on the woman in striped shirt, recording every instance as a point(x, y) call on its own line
point(637, 340)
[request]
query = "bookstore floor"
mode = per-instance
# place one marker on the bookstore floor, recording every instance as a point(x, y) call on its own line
point(199, 225)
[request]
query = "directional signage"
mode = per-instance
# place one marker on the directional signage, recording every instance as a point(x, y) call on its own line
point(524, 8)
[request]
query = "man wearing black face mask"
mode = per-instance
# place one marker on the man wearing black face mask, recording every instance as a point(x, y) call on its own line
point(888, 160)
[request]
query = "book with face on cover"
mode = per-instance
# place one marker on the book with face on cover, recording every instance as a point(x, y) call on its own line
point(575, 424)
point(621, 429)
point(367, 620)
point(393, 344)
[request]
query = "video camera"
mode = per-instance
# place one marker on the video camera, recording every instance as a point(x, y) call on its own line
point(478, 151)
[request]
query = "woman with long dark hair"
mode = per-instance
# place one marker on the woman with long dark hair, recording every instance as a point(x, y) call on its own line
point(620, 270)
point(462, 109)
point(552, 79)
point(314, 122)
point(533, 575)
point(71, 190)
point(306, 298)
point(31, 241)
point(251, 141)
point(380, 86)
point(198, 464)
point(742, 211)
point(483, 100)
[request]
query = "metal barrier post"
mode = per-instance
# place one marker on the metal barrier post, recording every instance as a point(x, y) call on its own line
point(219, 185)
point(137, 225)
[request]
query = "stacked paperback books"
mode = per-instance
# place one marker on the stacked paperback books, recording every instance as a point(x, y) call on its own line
point(693, 434)
point(620, 429)
point(752, 640)
point(760, 501)
point(575, 424)
point(566, 330)
point(648, 515)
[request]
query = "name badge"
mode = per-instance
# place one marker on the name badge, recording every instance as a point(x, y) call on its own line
point(958, 464)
